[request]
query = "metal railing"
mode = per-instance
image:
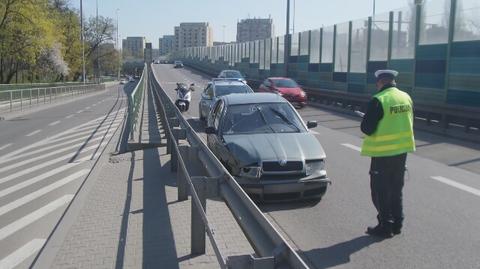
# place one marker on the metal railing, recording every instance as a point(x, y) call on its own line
point(183, 143)
point(19, 99)
point(135, 99)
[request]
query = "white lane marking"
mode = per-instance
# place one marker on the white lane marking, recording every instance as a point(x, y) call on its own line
point(72, 136)
point(36, 179)
point(78, 112)
point(34, 133)
point(44, 141)
point(108, 122)
point(34, 195)
point(69, 116)
point(52, 153)
point(87, 107)
point(34, 216)
point(457, 185)
point(352, 147)
point(314, 132)
point(5, 146)
point(43, 165)
point(54, 123)
point(95, 137)
point(21, 254)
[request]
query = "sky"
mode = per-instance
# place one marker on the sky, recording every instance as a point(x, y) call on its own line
point(155, 18)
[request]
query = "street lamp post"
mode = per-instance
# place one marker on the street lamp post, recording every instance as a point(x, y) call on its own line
point(83, 41)
point(118, 49)
point(287, 40)
point(98, 47)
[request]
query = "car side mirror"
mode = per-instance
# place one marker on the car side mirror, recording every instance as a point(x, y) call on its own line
point(311, 124)
point(210, 130)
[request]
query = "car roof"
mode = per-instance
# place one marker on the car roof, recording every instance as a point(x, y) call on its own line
point(252, 98)
point(279, 78)
point(227, 82)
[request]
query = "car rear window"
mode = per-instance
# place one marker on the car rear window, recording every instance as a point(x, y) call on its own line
point(285, 83)
point(228, 89)
point(233, 74)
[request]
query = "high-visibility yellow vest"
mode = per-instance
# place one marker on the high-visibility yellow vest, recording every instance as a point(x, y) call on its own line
point(394, 134)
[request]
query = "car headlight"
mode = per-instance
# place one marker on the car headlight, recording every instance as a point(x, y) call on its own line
point(251, 172)
point(315, 165)
point(303, 94)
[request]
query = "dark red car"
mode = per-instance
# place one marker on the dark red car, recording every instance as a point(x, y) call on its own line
point(287, 88)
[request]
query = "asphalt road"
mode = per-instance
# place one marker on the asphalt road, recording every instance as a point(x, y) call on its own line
point(45, 157)
point(441, 198)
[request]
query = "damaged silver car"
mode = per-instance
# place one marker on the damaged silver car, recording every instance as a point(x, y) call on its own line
point(266, 146)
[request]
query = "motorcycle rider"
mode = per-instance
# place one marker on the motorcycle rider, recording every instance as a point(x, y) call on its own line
point(182, 87)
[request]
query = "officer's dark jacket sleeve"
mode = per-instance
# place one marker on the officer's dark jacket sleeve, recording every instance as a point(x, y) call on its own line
point(372, 117)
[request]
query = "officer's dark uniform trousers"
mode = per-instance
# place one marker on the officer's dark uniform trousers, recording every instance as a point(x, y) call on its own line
point(386, 184)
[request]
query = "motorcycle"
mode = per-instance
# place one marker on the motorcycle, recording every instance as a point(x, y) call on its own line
point(184, 96)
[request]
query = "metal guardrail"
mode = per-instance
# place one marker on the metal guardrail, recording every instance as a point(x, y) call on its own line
point(19, 86)
point(18, 99)
point(183, 143)
point(135, 100)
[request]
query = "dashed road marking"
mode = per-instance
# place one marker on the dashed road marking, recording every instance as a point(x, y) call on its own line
point(44, 164)
point(45, 155)
point(97, 136)
point(34, 216)
point(36, 179)
point(34, 133)
point(457, 185)
point(34, 195)
point(314, 132)
point(69, 116)
point(5, 146)
point(80, 111)
point(21, 254)
point(54, 123)
point(350, 146)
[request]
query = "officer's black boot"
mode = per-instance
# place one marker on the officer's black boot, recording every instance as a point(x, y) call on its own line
point(397, 228)
point(383, 229)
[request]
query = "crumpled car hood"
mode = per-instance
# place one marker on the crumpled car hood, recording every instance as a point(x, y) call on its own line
point(250, 149)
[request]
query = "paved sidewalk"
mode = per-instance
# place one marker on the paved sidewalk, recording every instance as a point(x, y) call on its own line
point(132, 219)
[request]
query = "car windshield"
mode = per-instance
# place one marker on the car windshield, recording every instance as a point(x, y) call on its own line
point(261, 118)
point(221, 90)
point(285, 83)
point(232, 74)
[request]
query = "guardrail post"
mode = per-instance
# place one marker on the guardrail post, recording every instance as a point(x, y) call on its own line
point(197, 225)
point(30, 97)
point(182, 186)
point(178, 133)
point(11, 100)
point(38, 95)
point(50, 94)
point(21, 99)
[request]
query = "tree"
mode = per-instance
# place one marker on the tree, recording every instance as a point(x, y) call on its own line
point(25, 30)
point(42, 38)
point(97, 32)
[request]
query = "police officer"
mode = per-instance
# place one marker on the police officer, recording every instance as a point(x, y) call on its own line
point(388, 125)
